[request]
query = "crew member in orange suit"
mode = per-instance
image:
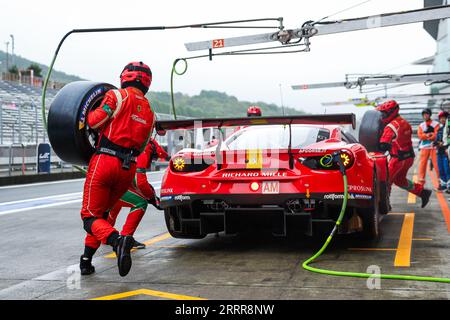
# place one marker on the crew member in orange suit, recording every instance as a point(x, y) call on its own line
point(427, 132)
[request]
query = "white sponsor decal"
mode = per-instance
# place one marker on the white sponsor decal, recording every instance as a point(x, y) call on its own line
point(88, 102)
point(138, 119)
point(254, 174)
point(181, 198)
point(353, 188)
point(333, 196)
point(270, 187)
point(167, 190)
point(312, 151)
point(352, 196)
point(44, 156)
point(273, 174)
point(362, 196)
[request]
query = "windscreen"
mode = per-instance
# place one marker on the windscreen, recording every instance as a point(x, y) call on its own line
point(275, 137)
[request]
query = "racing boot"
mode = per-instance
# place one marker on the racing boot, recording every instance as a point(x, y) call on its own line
point(86, 266)
point(425, 196)
point(123, 247)
point(138, 245)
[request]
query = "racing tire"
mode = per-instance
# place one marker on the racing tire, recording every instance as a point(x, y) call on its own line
point(371, 216)
point(70, 136)
point(370, 130)
point(171, 220)
point(385, 205)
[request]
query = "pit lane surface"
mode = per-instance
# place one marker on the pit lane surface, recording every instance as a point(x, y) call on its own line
point(42, 242)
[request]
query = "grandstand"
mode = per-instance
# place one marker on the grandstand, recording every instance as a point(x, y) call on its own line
point(20, 113)
point(21, 126)
point(20, 117)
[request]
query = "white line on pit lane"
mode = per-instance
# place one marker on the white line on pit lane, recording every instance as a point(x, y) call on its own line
point(69, 199)
point(60, 181)
point(40, 183)
point(54, 197)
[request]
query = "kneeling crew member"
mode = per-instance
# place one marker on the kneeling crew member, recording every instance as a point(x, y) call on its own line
point(138, 195)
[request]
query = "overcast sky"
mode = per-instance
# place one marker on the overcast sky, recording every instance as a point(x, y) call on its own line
point(39, 25)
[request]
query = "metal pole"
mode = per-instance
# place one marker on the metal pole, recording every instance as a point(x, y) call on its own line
point(12, 49)
point(281, 98)
point(30, 140)
point(1, 125)
point(23, 159)
point(10, 159)
point(7, 55)
point(36, 122)
point(20, 123)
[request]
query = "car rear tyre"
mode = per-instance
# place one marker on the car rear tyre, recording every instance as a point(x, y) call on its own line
point(69, 135)
point(370, 130)
point(172, 221)
point(371, 216)
point(385, 205)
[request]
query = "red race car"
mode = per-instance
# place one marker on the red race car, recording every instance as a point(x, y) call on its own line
point(276, 172)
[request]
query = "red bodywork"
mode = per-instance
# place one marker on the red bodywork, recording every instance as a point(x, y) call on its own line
point(279, 185)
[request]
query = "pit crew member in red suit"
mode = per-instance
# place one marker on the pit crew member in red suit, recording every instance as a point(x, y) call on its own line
point(252, 111)
point(124, 121)
point(396, 139)
point(137, 197)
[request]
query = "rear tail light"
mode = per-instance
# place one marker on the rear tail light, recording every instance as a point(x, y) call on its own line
point(347, 158)
point(182, 164)
point(254, 186)
point(326, 162)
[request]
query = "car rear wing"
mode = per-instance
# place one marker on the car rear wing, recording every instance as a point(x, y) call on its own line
point(324, 119)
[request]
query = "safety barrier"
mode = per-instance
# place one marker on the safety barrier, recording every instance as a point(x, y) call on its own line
point(21, 159)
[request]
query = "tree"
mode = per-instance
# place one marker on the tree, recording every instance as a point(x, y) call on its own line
point(13, 70)
point(37, 70)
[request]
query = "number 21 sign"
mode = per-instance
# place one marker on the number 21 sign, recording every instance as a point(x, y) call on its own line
point(218, 43)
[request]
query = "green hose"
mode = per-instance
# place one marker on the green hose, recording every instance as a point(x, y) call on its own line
point(306, 265)
point(174, 71)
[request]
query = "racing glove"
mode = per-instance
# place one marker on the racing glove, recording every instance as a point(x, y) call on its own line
point(385, 146)
point(155, 201)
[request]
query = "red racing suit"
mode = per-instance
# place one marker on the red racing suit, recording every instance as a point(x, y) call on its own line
point(398, 134)
point(125, 122)
point(136, 197)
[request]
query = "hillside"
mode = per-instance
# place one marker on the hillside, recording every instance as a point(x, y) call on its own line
point(210, 104)
point(23, 63)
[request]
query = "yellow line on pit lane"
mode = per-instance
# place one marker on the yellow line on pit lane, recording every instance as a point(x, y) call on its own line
point(403, 250)
point(403, 255)
point(147, 292)
point(159, 238)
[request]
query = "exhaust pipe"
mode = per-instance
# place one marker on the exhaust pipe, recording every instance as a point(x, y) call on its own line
point(294, 206)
